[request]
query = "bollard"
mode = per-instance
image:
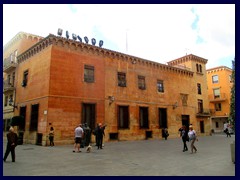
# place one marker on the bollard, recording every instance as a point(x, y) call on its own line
point(232, 147)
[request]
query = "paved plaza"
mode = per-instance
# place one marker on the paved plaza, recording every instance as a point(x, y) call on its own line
point(126, 158)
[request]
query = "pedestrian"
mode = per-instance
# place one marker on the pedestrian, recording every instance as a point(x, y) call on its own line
point(226, 129)
point(79, 133)
point(87, 135)
point(165, 133)
point(227, 132)
point(96, 135)
point(12, 139)
point(51, 136)
point(192, 137)
point(184, 135)
point(100, 133)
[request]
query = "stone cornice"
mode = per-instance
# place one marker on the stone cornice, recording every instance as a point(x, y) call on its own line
point(98, 51)
point(186, 58)
point(219, 68)
point(19, 36)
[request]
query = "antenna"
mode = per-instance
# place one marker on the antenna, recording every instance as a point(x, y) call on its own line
point(186, 50)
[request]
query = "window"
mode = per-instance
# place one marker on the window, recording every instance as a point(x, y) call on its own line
point(162, 117)
point(6, 101)
point(184, 99)
point(13, 78)
point(199, 68)
point(122, 79)
point(88, 73)
point(217, 125)
point(230, 79)
point(10, 99)
point(199, 88)
point(9, 79)
point(23, 113)
point(123, 117)
point(143, 117)
point(160, 86)
point(200, 106)
point(34, 117)
point(11, 58)
point(218, 107)
point(15, 54)
point(216, 93)
point(25, 78)
point(141, 82)
point(215, 79)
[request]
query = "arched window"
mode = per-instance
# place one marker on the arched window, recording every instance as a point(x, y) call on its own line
point(197, 67)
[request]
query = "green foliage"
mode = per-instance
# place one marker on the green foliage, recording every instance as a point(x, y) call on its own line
point(232, 103)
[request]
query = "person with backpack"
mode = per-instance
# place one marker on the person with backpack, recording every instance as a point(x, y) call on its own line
point(192, 137)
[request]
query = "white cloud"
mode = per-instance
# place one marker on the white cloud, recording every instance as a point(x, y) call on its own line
point(155, 32)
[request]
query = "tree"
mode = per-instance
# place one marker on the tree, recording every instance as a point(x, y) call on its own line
point(231, 117)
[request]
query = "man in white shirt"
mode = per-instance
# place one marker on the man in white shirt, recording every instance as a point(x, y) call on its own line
point(78, 137)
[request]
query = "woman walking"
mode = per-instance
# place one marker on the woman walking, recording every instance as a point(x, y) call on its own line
point(51, 136)
point(184, 135)
point(192, 137)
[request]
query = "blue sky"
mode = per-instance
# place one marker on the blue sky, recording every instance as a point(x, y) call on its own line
point(157, 32)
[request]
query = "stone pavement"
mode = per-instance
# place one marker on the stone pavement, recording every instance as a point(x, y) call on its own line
point(126, 158)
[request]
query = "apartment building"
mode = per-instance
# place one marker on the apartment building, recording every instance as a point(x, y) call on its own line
point(17, 45)
point(64, 82)
point(219, 80)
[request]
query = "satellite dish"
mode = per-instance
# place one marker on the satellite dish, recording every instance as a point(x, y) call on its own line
point(100, 43)
point(59, 32)
point(79, 38)
point(86, 39)
point(74, 36)
point(67, 35)
point(93, 41)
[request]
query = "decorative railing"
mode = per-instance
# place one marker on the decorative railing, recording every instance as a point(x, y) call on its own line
point(7, 86)
point(215, 98)
point(203, 112)
point(9, 63)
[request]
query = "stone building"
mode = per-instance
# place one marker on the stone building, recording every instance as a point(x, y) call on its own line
point(219, 81)
point(63, 82)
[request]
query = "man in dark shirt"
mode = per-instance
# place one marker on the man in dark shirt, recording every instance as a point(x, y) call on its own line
point(11, 144)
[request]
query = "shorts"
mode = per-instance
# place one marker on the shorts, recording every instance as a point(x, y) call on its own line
point(78, 140)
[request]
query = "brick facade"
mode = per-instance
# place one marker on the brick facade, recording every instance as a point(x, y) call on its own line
point(56, 68)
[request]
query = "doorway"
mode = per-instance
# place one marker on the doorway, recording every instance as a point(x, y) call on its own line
point(89, 115)
point(202, 126)
point(186, 121)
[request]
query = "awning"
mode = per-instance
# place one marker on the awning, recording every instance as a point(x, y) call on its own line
point(17, 121)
